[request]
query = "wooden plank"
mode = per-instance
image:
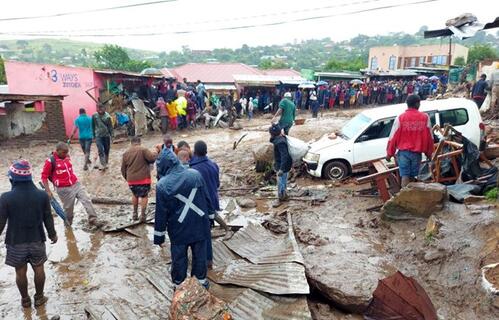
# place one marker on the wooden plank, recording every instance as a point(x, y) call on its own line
point(375, 175)
point(449, 154)
point(380, 166)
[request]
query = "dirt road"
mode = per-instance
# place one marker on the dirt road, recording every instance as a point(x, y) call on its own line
point(89, 267)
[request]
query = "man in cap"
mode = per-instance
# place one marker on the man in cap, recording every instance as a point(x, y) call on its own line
point(287, 110)
point(26, 210)
point(282, 162)
point(184, 210)
point(59, 170)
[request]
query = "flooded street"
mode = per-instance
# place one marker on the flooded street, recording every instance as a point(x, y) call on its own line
point(339, 240)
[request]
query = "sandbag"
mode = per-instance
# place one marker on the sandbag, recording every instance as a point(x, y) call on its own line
point(297, 148)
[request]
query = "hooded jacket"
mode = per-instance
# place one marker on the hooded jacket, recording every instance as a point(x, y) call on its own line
point(211, 175)
point(182, 204)
point(26, 209)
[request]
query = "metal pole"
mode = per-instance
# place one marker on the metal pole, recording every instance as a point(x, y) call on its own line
point(450, 51)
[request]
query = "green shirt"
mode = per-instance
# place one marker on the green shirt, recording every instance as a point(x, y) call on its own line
point(102, 125)
point(288, 112)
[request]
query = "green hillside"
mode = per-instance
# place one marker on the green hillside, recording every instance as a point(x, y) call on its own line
point(318, 54)
point(58, 51)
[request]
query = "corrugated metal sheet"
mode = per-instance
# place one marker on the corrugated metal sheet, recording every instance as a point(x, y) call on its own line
point(251, 305)
point(160, 278)
point(281, 278)
point(222, 256)
point(260, 246)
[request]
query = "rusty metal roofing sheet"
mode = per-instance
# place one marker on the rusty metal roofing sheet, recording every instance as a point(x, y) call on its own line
point(277, 278)
point(252, 305)
point(260, 246)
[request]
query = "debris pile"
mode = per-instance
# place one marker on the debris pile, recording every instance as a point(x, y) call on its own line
point(192, 301)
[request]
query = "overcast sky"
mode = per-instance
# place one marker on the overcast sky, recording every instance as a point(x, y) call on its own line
point(198, 23)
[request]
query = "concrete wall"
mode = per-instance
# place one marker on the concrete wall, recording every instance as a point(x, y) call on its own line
point(403, 55)
point(19, 126)
point(18, 122)
point(39, 79)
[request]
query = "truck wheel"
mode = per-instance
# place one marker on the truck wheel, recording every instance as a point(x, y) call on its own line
point(336, 170)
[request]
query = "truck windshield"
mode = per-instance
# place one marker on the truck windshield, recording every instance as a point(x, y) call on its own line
point(354, 126)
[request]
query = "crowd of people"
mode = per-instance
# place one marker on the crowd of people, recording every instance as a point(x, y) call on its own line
point(187, 199)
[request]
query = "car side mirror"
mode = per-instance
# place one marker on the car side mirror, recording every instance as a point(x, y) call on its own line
point(363, 138)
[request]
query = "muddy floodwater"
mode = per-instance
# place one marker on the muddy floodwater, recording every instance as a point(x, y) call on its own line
point(88, 267)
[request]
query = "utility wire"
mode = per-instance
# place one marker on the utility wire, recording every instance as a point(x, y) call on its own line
point(265, 24)
point(235, 19)
point(86, 11)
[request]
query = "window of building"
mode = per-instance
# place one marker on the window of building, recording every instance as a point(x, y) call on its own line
point(421, 60)
point(456, 117)
point(413, 61)
point(391, 63)
point(374, 63)
point(444, 60)
point(434, 59)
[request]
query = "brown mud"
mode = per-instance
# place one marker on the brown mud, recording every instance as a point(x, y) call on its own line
point(90, 267)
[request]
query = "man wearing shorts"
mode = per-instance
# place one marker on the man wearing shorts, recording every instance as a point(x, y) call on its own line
point(135, 168)
point(411, 136)
point(26, 210)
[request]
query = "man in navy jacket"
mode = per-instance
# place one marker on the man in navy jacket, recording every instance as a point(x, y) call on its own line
point(210, 172)
point(184, 209)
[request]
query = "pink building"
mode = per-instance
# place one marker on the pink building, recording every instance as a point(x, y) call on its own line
point(47, 79)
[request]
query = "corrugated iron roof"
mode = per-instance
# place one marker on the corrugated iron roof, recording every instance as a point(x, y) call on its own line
point(215, 86)
point(212, 72)
point(252, 305)
point(260, 246)
point(278, 278)
point(222, 256)
point(159, 277)
point(282, 72)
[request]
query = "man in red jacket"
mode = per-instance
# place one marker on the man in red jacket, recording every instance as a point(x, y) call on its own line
point(59, 170)
point(411, 136)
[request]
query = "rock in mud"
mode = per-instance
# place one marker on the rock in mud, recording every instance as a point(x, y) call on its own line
point(192, 301)
point(416, 200)
point(264, 156)
point(246, 202)
point(432, 227)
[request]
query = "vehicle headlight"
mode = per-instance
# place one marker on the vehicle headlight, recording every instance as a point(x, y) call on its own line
point(312, 157)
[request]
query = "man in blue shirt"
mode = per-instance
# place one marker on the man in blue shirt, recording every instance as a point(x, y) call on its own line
point(183, 209)
point(84, 125)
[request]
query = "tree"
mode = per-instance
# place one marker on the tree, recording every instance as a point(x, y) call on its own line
point(480, 52)
point(459, 61)
point(354, 64)
point(117, 58)
point(112, 57)
point(269, 64)
point(3, 79)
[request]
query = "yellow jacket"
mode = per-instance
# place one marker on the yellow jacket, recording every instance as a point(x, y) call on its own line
point(181, 106)
point(172, 109)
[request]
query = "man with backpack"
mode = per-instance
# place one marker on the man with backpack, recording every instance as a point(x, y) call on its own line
point(282, 162)
point(102, 128)
point(59, 170)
